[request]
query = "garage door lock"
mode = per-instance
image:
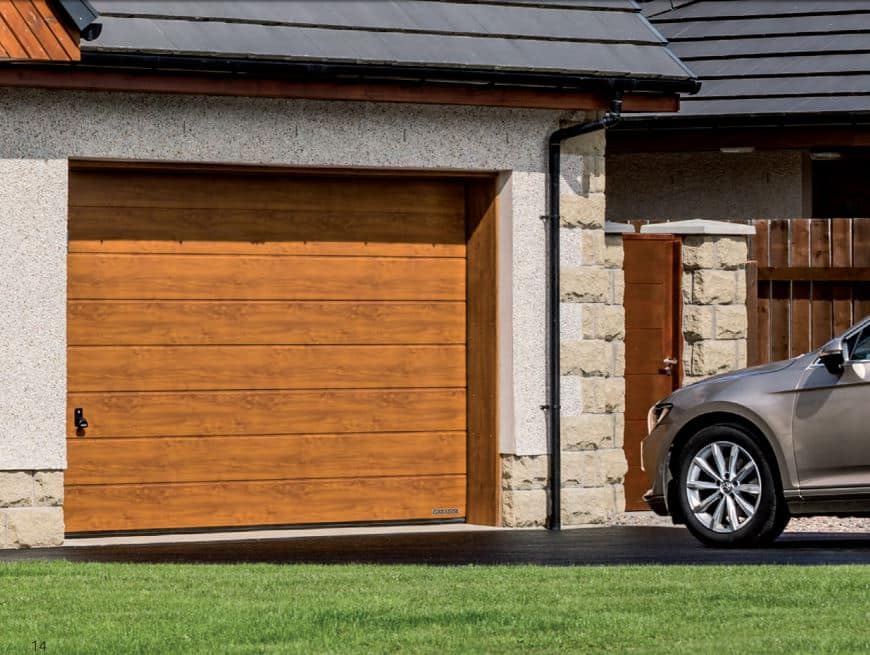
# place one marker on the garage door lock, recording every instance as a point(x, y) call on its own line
point(79, 419)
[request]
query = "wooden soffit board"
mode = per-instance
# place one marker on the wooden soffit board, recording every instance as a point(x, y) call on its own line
point(30, 30)
point(762, 138)
point(407, 92)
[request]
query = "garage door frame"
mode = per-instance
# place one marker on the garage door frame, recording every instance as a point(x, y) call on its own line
point(483, 457)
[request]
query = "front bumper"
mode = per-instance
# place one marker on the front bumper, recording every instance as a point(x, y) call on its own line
point(657, 503)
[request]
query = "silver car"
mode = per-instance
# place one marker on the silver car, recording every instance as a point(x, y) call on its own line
point(733, 457)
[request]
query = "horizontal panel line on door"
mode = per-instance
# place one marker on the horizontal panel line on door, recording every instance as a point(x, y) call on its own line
point(76, 251)
point(295, 435)
point(138, 255)
point(443, 476)
point(305, 346)
point(433, 210)
point(277, 301)
point(246, 390)
point(333, 478)
point(255, 301)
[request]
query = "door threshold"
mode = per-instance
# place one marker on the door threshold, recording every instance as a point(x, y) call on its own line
point(268, 534)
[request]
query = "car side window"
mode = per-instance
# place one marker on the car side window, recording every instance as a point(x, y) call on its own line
point(859, 346)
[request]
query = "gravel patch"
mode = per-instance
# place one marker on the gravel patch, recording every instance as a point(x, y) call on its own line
point(806, 524)
point(829, 524)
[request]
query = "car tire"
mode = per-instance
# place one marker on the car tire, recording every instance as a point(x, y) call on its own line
point(729, 504)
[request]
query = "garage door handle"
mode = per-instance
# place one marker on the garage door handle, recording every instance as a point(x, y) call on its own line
point(669, 363)
point(79, 419)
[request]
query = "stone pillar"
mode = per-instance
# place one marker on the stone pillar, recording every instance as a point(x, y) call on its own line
point(714, 255)
point(593, 342)
point(592, 364)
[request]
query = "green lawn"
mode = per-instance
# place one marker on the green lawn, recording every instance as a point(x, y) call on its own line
point(123, 608)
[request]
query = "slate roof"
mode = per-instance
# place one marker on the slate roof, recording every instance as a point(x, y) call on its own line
point(770, 57)
point(563, 38)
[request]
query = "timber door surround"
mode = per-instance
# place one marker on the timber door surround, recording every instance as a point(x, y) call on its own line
point(653, 342)
point(262, 347)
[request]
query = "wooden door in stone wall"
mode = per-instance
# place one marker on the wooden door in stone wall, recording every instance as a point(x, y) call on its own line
point(653, 343)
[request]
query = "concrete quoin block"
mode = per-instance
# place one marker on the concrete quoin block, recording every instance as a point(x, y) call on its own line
point(580, 468)
point(588, 505)
point(603, 395)
point(48, 488)
point(697, 322)
point(592, 247)
point(603, 321)
point(731, 321)
point(698, 252)
point(618, 430)
point(587, 431)
point(715, 287)
point(613, 465)
point(524, 472)
point(582, 211)
point(586, 358)
point(16, 488)
point(711, 357)
point(586, 284)
point(32, 527)
point(731, 252)
point(526, 508)
point(614, 252)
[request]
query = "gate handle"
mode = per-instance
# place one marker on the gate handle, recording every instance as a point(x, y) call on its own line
point(669, 363)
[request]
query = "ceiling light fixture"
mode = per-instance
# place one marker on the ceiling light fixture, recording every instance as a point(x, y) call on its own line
point(826, 156)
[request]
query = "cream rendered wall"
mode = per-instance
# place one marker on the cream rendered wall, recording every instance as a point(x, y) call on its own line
point(713, 185)
point(33, 207)
point(53, 125)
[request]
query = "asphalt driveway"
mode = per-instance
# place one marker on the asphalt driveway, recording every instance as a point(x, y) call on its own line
point(588, 546)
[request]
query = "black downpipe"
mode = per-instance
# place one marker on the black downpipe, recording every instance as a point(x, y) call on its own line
point(554, 407)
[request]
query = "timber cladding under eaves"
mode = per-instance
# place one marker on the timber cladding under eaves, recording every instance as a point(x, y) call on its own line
point(265, 349)
point(31, 31)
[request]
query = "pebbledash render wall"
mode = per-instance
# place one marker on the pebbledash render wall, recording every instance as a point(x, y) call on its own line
point(708, 185)
point(42, 130)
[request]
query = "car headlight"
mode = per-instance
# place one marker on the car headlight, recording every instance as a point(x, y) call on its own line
point(656, 415)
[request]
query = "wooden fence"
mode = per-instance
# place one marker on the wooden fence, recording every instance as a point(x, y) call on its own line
point(808, 280)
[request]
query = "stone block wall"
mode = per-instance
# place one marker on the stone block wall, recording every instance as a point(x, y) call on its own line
point(31, 508)
point(592, 360)
point(714, 305)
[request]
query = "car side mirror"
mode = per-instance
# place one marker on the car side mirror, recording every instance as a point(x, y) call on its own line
point(832, 355)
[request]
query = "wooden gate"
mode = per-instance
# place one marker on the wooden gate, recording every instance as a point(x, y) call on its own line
point(808, 280)
point(653, 343)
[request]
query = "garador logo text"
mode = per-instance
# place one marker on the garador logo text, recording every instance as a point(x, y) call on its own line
point(445, 510)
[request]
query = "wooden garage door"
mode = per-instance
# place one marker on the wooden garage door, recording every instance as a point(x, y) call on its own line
point(263, 349)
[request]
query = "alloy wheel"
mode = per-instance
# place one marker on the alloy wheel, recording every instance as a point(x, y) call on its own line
point(723, 486)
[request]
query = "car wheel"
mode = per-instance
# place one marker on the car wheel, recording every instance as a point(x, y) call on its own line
point(728, 492)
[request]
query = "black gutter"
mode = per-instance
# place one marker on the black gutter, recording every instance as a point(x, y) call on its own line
point(553, 217)
point(306, 69)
